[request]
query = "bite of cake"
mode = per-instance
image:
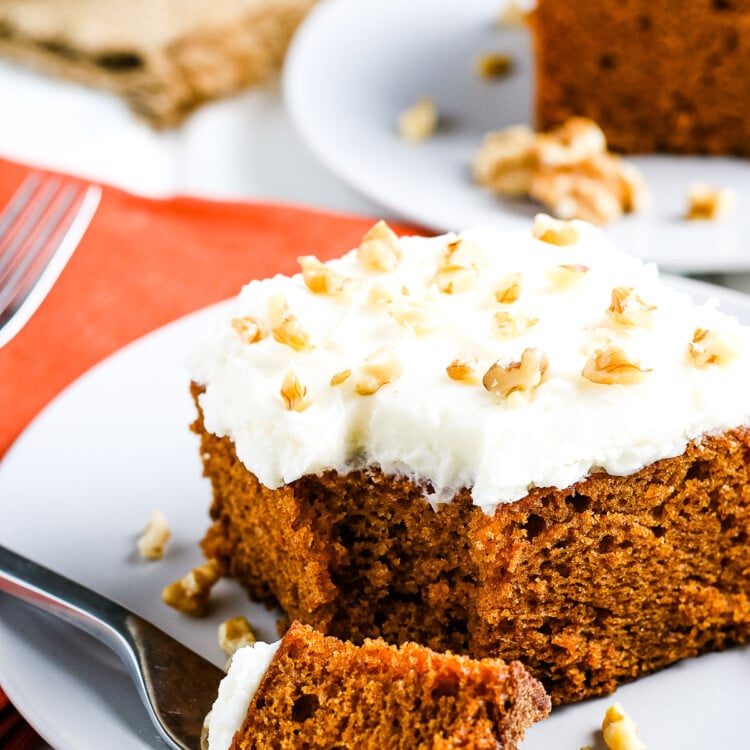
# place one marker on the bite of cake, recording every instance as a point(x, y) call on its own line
point(317, 692)
point(517, 445)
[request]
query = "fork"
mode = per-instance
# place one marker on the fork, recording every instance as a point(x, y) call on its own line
point(177, 686)
point(40, 228)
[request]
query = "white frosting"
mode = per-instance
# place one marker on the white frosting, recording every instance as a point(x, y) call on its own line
point(236, 690)
point(453, 435)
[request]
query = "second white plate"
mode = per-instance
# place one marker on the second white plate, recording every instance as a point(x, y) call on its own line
point(355, 65)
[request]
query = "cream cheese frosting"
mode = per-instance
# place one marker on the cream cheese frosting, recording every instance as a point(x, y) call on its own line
point(236, 690)
point(360, 371)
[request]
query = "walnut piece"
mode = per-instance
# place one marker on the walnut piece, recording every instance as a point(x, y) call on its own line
point(419, 121)
point(417, 316)
point(493, 65)
point(568, 169)
point(620, 731)
point(285, 327)
point(379, 249)
point(155, 536)
point(235, 633)
point(527, 374)
point(190, 594)
point(515, 13)
point(566, 275)
point(463, 253)
point(321, 278)
point(706, 202)
point(506, 325)
point(340, 377)
point(611, 366)
point(710, 348)
point(378, 369)
point(455, 279)
point(508, 289)
point(629, 310)
point(463, 369)
point(554, 231)
point(293, 392)
point(249, 329)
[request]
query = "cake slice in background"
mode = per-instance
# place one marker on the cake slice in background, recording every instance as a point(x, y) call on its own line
point(654, 74)
point(320, 693)
point(522, 445)
point(165, 57)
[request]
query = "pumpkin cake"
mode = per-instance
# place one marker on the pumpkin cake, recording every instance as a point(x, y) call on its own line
point(654, 74)
point(316, 692)
point(517, 445)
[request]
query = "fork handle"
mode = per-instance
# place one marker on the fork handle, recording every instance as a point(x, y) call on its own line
point(66, 599)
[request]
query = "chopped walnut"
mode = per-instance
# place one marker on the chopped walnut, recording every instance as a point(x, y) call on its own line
point(340, 377)
point(506, 325)
point(378, 369)
point(234, 634)
point(629, 310)
point(419, 121)
point(455, 279)
point(706, 202)
point(554, 231)
point(155, 536)
point(568, 169)
point(493, 65)
point(576, 140)
point(528, 373)
point(385, 290)
point(566, 275)
point(417, 316)
point(710, 348)
point(611, 366)
point(249, 329)
point(204, 731)
point(463, 369)
point(505, 161)
point(293, 392)
point(321, 278)
point(515, 13)
point(285, 327)
point(379, 249)
point(508, 289)
point(463, 253)
point(620, 731)
point(190, 594)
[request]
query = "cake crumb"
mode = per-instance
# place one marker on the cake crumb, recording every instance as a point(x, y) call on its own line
point(235, 633)
point(152, 541)
point(620, 731)
point(568, 169)
point(708, 203)
point(419, 121)
point(190, 594)
point(493, 65)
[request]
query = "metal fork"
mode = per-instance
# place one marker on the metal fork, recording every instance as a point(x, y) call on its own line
point(39, 229)
point(177, 686)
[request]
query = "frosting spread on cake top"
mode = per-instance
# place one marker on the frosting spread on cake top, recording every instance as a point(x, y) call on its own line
point(496, 361)
point(236, 690)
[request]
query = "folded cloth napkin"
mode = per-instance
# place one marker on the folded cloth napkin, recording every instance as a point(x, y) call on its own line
point(141, 264)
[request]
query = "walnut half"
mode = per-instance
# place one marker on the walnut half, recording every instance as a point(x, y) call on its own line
point(528, 373)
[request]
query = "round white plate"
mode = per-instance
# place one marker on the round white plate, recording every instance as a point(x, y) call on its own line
point(79, 485)
point(354, 66)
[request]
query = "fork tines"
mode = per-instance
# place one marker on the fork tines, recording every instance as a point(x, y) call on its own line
point(39, 229)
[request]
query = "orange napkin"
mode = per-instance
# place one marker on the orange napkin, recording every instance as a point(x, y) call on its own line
point(143, 263)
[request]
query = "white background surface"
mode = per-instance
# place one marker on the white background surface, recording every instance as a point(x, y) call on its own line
point(243, 148)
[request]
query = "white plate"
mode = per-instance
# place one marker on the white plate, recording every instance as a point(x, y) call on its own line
point(355, 65)
point(77, 488)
